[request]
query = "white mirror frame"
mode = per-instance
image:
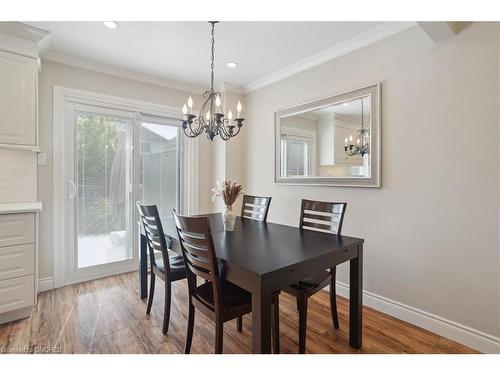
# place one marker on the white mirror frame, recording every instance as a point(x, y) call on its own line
point(375, 143)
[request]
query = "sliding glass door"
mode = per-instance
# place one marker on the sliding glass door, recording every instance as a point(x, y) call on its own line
point(104, 186)
point(116, 158)
point(160, 164)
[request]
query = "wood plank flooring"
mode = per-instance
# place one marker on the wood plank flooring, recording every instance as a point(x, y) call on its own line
point(107, 316)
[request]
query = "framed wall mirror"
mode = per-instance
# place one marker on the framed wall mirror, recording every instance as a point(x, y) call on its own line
point(333, 141)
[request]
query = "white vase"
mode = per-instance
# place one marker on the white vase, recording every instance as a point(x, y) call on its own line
point(228, 218)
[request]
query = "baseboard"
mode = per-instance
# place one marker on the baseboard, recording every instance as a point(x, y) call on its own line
point(468, 336)
point(47, 283)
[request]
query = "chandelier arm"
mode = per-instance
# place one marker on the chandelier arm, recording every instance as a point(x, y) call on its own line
point(222, 127)
point(198, 130)
point(191, 134)
point(224, 136)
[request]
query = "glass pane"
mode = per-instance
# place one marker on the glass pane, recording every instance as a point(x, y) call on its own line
point(160, 166)
point(104, 171)
point(297, 155)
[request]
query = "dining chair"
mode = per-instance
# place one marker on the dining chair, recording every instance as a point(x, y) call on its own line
point(324, 217)
point(217, 298)
point(255, 207)
point(168, 269)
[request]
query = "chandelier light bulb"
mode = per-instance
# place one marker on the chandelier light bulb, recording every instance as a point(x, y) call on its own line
point(239, 108)
point(207, 115)
point(357, 141)
point(350, 139)
point(217, 101)
point(184, 109)
point(190, 102)
point(230, 115)
point(346, 140)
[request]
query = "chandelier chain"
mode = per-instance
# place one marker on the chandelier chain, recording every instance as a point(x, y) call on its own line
point(362, 115)
point(212, 66)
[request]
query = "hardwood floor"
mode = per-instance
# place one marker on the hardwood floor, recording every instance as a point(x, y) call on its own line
point(107, 316)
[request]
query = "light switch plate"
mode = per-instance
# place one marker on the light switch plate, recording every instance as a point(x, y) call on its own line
point(42, 158)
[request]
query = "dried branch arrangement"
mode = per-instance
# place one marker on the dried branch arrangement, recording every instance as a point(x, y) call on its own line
point(229, 191)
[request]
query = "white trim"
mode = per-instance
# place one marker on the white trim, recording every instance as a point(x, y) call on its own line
point(465, 335)
point(131, 105)
point(62, 95)
point(229, 87)
point(82, 63)
point(191, 174)
point(59, 188)
point(46, 283)
point(24, 31)
point(350, 45)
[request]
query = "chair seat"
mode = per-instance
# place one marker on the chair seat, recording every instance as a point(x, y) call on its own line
point(233, 297)
point(177, 269)
point(309, 284)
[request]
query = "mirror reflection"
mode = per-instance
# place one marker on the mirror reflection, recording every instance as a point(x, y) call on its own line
point(331, 141)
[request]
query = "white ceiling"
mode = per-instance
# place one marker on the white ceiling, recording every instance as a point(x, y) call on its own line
point(180, 51)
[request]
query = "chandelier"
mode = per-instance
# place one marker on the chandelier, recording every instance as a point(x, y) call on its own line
point(211, 119)
point(361, 144)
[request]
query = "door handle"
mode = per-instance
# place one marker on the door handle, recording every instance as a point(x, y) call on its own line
point(71, 189)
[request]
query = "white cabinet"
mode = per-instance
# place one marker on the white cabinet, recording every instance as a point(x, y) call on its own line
point(18, 97)
point(18, 259)
point(17, 229)
point(16, 293)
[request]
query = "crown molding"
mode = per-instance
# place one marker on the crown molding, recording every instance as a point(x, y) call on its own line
point(82, 63)
point(235, 89)
point(24, 31)
point(350, 45)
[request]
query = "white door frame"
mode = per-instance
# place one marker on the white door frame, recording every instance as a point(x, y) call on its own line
point(61, 132)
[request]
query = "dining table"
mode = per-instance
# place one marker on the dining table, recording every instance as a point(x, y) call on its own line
point(264, 257)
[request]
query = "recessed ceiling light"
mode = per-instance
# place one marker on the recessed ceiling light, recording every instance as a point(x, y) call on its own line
point(110, 24)
point(232, 64)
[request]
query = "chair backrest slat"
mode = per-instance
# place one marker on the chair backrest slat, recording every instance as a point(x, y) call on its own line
point(153, 231)
point(199, 253)
point(322, 216)
point(255, 208)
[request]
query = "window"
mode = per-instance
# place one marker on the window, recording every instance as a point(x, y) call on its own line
point(160, 164)
point(296, 155)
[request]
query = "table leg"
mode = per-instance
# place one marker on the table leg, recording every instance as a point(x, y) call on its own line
point(143, 267)
point(261, 320)
point(356, 300)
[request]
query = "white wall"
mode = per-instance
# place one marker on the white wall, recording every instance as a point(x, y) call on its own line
point(18, 180)
point(54, 74)
point(431, 230)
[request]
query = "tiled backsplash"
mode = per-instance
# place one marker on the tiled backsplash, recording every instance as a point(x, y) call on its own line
point(18, 176)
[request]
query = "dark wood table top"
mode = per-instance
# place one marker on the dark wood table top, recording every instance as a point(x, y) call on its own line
point(264, 248)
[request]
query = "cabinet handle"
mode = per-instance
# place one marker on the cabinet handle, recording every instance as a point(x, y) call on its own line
point(71, 189)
